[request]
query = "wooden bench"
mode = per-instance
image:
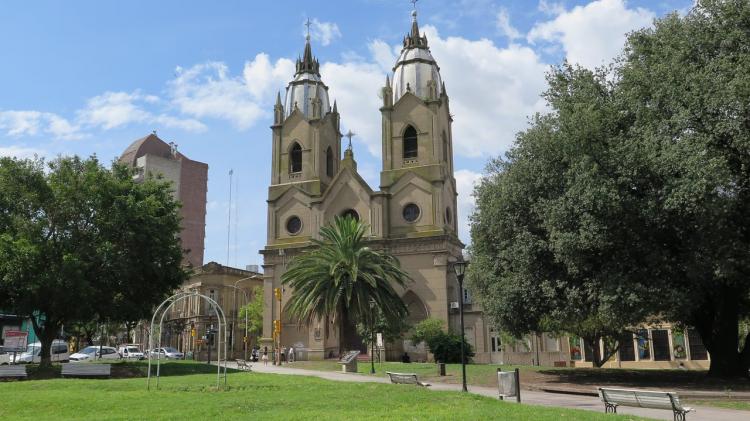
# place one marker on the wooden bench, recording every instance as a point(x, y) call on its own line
point(405, 378)
point(613, 398)
point(243, 365)
point(13, 371)
point(86, 370)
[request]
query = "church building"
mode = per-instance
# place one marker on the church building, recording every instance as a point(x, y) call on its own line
point(412, 214)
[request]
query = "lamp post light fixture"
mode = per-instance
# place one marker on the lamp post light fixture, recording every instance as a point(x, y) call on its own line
point(460, 268)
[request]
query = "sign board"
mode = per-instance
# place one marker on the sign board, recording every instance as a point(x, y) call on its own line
point(508, 383)
point(349, 356)
point(15, 341)
point(379, 340)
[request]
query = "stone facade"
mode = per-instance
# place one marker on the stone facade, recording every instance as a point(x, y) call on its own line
point(412, 215)
point(151, 155)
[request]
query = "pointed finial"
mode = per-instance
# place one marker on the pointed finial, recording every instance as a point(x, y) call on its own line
point(350, 135)
point(308, 23)
point(153, 132)
point(335, 107)
point(387, 81)
point(414, 11)
point(278, 98)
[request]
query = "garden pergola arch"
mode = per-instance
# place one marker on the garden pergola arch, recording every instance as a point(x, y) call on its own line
point(169, 302)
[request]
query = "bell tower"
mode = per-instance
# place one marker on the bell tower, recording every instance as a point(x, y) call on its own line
point(305, 154)
point(417, 144)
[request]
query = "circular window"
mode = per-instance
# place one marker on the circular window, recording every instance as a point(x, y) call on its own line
point(351, 213)
point(448, 216)
point(294, 225)
point(411, 212)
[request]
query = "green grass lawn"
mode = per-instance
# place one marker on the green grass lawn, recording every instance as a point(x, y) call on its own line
point(722, 403)
point(266, 396)
point(477, 374)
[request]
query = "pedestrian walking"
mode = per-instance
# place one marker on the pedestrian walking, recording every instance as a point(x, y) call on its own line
point(291, 355)
point(265, 356)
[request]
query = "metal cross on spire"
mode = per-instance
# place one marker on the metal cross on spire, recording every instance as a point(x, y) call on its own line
point(414, 4)
point(350, 135)
point(308, 23)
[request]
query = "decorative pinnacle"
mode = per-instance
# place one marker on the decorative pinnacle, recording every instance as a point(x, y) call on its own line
point(350, 134)
point(308, 23)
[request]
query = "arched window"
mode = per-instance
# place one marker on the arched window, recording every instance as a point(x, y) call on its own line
point(329, 162)
point(295, 158)
point(411, 147)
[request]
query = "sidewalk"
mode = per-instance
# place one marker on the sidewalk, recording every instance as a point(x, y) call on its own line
point(589, 403)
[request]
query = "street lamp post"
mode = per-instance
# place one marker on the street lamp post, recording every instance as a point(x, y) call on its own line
point(460, 269)
point(238, 313)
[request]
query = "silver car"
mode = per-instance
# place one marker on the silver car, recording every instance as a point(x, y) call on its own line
point(167, 352)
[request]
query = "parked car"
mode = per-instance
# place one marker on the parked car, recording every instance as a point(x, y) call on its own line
point(130, 352)
point(58, 353)
point(95, 352)
point(168, 353)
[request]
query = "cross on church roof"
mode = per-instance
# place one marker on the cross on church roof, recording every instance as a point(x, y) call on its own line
point(350, 134)
point(308, 23)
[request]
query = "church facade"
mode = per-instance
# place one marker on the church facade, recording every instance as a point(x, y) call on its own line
point(412, 214)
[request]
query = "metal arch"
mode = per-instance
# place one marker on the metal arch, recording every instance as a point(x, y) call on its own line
point(173, 300)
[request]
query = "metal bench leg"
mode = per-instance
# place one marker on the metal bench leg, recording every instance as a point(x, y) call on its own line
point(679, 416)
point(610, 408)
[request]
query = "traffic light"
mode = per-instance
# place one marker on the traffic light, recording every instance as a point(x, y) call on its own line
point(277, 293)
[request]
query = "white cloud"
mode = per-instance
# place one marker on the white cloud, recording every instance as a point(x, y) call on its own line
point(383, 54)
point(465, 182)
point(592, 35)
point(503, 24)
point(31, 123)
point(324, 32)
point(208, 90)
point(551, 8)
point(492, 90)
point(21, 152)
point(114, 109)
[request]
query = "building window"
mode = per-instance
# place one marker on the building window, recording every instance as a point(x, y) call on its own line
point(697, 349)
point(293, 225)
point(467, 296)
point(644, 348)
point(627, 348)
point(329, 162)
point(411, 212)
point(350, 213)
point(411, 146)
point(660, 338)
point(295, 158)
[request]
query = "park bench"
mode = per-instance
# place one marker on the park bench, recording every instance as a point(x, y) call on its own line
point(86, 370)
point(613, 398)
point(15, 371)
point(243, 365)
point(405, 378)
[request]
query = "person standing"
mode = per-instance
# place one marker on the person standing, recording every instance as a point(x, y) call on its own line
point(265, 356)
point(291, 354)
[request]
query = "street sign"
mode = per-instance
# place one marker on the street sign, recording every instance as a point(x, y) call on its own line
point(15, 341)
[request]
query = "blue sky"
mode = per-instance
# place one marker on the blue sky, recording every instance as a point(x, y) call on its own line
point(89, 77)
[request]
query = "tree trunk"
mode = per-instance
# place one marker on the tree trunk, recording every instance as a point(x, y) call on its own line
point(721, 337)
point(46, 336)
point(596, 358)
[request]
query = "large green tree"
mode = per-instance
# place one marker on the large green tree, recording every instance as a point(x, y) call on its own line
point(630, 199)
point(81, 242)
point(254, 313)
point(342, 279)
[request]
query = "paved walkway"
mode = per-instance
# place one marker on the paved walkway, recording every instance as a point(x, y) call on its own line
point(590, 403)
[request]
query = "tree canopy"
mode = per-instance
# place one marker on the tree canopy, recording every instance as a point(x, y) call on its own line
point(628, 201)
point(81, 242)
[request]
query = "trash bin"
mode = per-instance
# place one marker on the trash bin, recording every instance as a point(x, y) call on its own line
point(441, 369)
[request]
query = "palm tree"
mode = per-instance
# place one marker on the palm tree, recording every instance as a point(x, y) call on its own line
point(341, 276)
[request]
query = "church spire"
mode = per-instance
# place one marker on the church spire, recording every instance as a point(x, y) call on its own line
point(308, 63)
point(413, 40)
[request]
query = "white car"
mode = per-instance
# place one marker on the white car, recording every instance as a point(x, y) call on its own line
point(131, 352)
point(58, 353)
point(168, 353)
point(93, 353)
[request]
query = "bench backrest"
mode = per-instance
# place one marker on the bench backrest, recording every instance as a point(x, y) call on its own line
point(641, 398)
point(403, 378)
point(86, 369)
point(12, 371)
